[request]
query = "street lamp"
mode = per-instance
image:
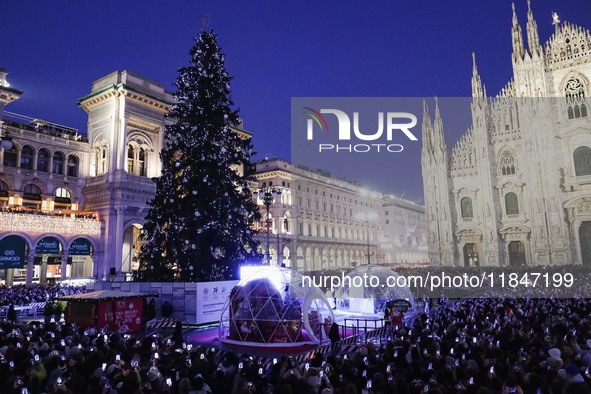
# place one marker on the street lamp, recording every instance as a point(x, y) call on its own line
point(367, 216)
point(268, 194)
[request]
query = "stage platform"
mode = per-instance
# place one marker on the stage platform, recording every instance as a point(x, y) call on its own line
point(352, 326)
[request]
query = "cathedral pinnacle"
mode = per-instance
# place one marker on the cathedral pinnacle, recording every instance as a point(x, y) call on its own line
point(533, 39)
point(476, 82)
point(518, 47)
point(438, 133)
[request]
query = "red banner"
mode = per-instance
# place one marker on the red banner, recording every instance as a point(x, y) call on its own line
point(121, 316)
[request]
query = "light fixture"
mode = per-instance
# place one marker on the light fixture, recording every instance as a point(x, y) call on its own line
point(268, 194)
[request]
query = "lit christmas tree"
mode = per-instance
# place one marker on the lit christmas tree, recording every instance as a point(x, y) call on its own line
point(197, 228)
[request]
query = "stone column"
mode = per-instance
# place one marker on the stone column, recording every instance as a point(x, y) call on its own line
point(30, 266)
point(43, 270)
point(65, 255)
point(117, 242)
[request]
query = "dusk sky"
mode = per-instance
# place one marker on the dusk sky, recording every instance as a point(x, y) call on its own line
point(54, 50)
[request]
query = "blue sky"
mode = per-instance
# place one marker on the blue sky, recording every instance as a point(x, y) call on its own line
point(275, 50)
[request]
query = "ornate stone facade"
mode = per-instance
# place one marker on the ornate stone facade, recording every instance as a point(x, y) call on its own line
point(515, 189)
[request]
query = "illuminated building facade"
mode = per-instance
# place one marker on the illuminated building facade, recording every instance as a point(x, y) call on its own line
point(516, 188)
point(320, 222)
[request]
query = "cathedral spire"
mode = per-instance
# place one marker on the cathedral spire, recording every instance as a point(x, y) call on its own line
point(533, 39)
point(438, 134)
point(427, 127)
point(476, 82)
point(518, 48)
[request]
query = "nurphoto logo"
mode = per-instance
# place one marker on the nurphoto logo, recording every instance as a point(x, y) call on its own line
point(389, 123)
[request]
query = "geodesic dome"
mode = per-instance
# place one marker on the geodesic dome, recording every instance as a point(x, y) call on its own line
point(368, 287)
point(272, 307)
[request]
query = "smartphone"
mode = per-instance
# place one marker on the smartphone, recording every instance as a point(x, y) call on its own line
point(240, 365)
point(365, 360)
point(156, 356)
point(24, 390)
point(390, 378)
point(63, 343)
point(471, 381)
point(474, 340)
point(59, 381)
point(169, 382)
point(321, 373)
point(344, 357)
point(512, 389)
point(104, 366)
point(260, 371)
point(430, 366)
point(202, 356)
point(307, 366)
point(274, 361)
point(36, 358)
point(11, 364)
point(491, 369)
point(389, 368)
point(364, 374)
point(118, 357)
point(189, 346)
point(369, 384)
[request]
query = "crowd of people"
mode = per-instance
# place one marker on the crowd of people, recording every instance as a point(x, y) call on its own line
point(23, 295)
point(486, 345)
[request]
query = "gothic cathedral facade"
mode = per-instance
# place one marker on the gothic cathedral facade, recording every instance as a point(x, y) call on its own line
point(515, 189)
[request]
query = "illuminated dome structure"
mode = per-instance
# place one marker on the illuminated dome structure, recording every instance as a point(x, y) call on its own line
point(270, 307)
point(366, 289)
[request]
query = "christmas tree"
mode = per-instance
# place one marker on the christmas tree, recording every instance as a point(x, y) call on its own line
point(197, 228)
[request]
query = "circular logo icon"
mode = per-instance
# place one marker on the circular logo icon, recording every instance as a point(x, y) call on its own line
point(131, 305)
point(9, 252)
point(205, 290)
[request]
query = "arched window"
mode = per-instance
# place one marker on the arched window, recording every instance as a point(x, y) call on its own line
point(574, 92)
point(62, 193)
point(286, 223)
point(466, 206)
point(58, 163)
point(10, 157)
point(582, 159)
point(511, 204)
point(130, 159)
point(43, 160)
point(27, 154)
point(102, 160)
point(32, 189)
point(62, 198)
point(72, 166)
point(507, 162)
point(32, 196)
point(142, 162)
